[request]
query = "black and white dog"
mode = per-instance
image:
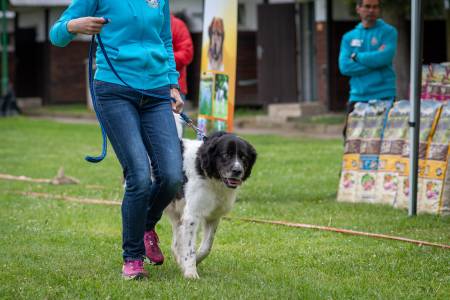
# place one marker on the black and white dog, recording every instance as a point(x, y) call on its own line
point(214, 170)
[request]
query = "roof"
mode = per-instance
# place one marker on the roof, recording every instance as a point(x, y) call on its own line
point(40, 2)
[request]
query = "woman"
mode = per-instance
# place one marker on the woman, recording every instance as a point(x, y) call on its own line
point(138, 42)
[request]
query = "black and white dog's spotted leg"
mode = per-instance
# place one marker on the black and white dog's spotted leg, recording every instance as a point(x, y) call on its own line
point(208, 238)
point(187, 241)
point(176, 228)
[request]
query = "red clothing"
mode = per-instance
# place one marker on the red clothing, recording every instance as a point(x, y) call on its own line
point(183, 49)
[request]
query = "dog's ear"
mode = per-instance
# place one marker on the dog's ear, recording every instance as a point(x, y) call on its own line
point(222, 27)
point(205, 163)
point(251, 154)
point(211, 27)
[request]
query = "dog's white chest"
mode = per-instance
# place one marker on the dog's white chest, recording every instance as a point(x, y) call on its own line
point(209, 198)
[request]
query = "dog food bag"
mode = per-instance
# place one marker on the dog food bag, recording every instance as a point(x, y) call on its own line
point(445, 87)
point(446, 92)
point(374, 120)
point(350, 161)
point(390, 160)
point(426, 71)
point(438, 73)
point(435, 175)
point(429, 116)
point(446, 66)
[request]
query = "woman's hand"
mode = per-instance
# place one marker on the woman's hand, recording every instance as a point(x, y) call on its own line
point(86, 25)
point(177, 106)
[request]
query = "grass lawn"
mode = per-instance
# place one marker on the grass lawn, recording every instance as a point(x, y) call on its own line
point(327, 119)
point(51, 249)
point(67, 110)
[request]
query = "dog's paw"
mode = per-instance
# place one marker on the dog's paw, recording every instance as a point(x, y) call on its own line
point(191, 274)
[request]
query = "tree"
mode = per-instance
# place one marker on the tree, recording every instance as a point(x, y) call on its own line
point(397, 13)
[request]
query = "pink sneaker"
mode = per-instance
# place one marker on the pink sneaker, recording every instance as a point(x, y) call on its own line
point(153, 254)
point(134, 269)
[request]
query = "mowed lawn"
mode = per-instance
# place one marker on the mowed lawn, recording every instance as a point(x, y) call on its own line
point(52, 249)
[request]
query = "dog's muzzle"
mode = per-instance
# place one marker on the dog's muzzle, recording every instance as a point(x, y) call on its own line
point(231, 182)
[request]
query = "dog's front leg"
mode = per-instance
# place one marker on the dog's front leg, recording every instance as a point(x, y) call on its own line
point(187, 241)
point(176, 227)
point(208, 238)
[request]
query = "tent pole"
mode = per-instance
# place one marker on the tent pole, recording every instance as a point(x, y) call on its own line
point(4, 48)
point(414, 116)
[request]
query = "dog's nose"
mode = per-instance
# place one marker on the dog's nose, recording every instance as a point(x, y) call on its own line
point(236, 171)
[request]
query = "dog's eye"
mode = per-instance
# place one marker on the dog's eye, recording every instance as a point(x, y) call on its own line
point(226, 155)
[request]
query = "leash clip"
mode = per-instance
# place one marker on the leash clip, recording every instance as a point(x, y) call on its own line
point(191, 124)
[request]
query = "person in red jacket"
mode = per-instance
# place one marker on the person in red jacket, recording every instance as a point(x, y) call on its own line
point(183, 50)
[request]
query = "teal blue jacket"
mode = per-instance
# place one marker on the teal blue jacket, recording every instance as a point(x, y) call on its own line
point(371, 72)
point(138, 40)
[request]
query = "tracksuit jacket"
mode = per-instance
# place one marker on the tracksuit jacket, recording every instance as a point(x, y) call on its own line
point(371, 72)
point(138, 40)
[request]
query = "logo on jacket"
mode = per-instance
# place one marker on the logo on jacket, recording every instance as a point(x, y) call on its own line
point(374, 41)
point(153, 3)
point(356, 43)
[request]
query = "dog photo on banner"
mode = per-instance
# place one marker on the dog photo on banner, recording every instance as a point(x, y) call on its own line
point(218, 66)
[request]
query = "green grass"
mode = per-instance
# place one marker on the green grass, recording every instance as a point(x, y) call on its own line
point(248, 112)
point(52, 249)
point(64, 110)
point(328, 119)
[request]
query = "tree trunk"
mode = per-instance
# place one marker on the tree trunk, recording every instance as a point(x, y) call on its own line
point(402, 58)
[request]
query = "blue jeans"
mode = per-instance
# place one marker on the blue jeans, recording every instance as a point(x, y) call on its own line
point(141, 127)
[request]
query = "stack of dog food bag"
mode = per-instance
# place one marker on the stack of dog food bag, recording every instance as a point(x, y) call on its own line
point(376, 158)
point(435, 178)
point(429, 117)
point(350, 163)
point(436, 82)
point(391, 161)
point(373, 128)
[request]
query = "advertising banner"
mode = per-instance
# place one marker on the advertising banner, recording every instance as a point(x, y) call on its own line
point(218, 66)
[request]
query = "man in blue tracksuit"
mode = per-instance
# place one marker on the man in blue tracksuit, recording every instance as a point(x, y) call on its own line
point(366, 56)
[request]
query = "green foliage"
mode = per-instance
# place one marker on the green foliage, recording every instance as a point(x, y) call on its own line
point(60, 250)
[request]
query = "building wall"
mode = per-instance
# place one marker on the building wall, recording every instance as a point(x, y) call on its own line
point(322, 63)
point(67, 73)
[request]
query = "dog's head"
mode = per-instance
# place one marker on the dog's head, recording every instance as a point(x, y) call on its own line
point(226, 157)
point(216, 32)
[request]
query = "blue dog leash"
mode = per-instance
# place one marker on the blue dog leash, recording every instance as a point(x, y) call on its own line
point(184, 117)
point(95, 159)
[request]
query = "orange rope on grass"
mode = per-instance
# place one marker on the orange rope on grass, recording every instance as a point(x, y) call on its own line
point(344, 231)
